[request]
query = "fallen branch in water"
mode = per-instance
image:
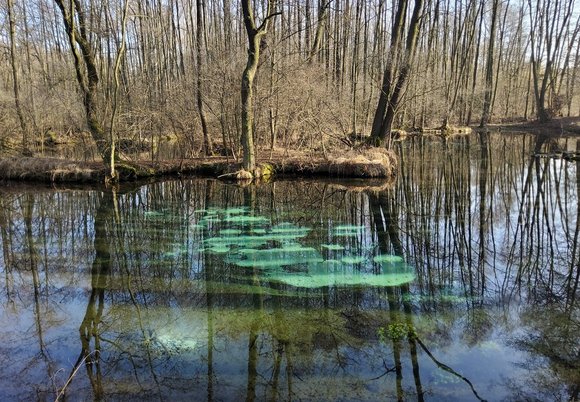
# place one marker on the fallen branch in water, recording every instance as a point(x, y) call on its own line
point(73, 373)
point(445, 367)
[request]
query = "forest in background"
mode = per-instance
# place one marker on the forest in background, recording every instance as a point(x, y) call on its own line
point(328, 71)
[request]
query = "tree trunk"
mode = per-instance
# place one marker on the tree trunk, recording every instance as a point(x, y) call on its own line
point(207, 149)
point(86, 72)
point(116, 84)
point(249, 162)
point(320, 25)
point(16, 84)
point(394, 82)
point(485, 115)
point(255, 35)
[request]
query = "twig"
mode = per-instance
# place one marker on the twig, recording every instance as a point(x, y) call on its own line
point(76, 368)
point(448, 369)
point(388, 370)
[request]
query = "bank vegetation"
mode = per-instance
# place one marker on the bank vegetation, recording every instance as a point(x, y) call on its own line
point(134, 81)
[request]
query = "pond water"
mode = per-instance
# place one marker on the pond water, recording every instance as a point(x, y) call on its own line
point(457, 282)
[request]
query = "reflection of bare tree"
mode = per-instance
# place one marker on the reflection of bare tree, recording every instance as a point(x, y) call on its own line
point(385, 219)
point(27, 212)
point(446, 368)
point(386, 227)
point(258, 305)
point(537, 252)
point(7, 248)
point(551, 335)
point(89, 330)
point(512, 231)
point(573, 278)
point(209, 296)
point(386, 224)
point(253, 354)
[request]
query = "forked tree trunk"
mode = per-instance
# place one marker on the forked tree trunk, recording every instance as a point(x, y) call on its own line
point(394, 82)
point(255, 35)
point(320, 26)
point(86, 71)
point(549, 21)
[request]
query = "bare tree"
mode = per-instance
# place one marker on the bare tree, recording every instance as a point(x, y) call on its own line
point(485, 115)
point(198, 45)
point(397, 69)
point(116, 70)
point(549, 21)
point(16, 83)
point(86, 69)
point(255, 34)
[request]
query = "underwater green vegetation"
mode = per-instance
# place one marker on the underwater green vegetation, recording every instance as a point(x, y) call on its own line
point(292, 255)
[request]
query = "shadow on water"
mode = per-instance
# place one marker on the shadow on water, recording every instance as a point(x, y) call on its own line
point(458, 283)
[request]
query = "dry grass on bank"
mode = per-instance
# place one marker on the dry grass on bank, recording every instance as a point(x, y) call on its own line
point(363, 163)
point(50, 170)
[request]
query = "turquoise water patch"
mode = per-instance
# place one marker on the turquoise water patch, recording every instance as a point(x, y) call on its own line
point(338, 279)
point(387, 258)
point(332, 247)
point(278, 257)
point(230, 232)
point(353, 259)
point(247, 220)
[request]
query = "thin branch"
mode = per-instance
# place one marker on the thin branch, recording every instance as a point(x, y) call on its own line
point(448, 369)
point(263, 24)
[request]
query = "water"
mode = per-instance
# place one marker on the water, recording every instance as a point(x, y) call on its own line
point(458, 282)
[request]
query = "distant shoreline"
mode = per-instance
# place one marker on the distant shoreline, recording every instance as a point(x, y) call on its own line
point(561, 126)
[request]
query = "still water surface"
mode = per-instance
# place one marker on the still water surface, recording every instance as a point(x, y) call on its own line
point(456, 283)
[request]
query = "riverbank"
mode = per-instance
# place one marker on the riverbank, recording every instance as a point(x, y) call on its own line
point(355, 163)
point(557, 127)
point(369, 163)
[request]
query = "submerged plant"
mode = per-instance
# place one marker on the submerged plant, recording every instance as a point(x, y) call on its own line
point(353, 259)
point(332, 247)
point(395, 332)
point(338, 278)
point(387, 258)
point(251, 241)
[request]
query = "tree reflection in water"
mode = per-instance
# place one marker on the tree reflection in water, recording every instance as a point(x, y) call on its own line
point(491, 232)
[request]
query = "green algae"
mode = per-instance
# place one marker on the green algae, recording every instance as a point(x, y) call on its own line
point(355, 259)
point(332, 247)
point(334, 279)
point(389, 258)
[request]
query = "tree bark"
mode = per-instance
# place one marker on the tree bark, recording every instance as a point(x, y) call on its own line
point(320, 26)
point(549, 22)
point(207, 150)
point(394, 82)
point(116, 84)
point(86, 72)
point(255, 34)
point(485, 115)
point(15, 81)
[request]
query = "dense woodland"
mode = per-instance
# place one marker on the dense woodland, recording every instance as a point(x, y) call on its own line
point(232, 75)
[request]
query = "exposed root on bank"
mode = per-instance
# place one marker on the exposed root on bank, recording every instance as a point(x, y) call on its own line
point(237, 175)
